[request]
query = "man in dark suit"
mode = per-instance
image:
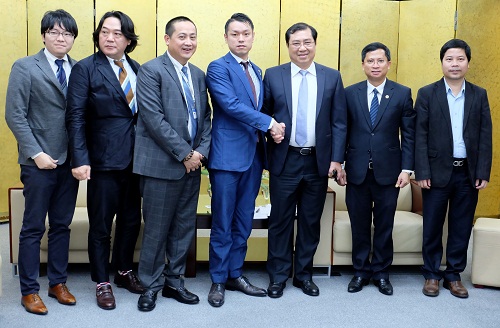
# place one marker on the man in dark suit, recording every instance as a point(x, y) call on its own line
point(101, 125)
point(453, 154)
point(377, 164)
point(309, 98)
point(173, 138)
point(35, 110)
point(237, 157)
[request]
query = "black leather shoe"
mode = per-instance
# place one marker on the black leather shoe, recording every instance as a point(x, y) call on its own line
point(307, 286)
point(243, 285)
point(180, 294)
point(357, 284)
point(147, 301)
point(130, 282)
point(275, 289)
point(216, 295)
point(384, 286)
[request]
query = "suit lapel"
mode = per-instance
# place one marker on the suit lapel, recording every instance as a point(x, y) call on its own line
point(106, 70)
point(442, 99)
point(321, 81)
point(258, 72)
point(286, 76)
point(384, 101)
point(469, 100)
point(240, 73)
point(44, 65)
point(173, 73)
point(363, 102)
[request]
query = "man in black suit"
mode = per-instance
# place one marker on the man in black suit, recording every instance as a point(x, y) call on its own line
point(453, 154)
point(101, 121)
point(377, 164)
point(309, 99)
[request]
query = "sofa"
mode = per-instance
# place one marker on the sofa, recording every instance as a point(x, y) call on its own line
point(407, 233)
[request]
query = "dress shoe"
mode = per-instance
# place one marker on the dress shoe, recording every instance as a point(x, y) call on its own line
point(216, 295)
point(243, 285)
point(61, 292)
point(307, 286)
point(105, 297)
point(130, 282)
point(34, 304)
point(384, 286)
point(357, 284)
point(275, 289)
point(147, 301)
point(456, 288)
point(180, 294)
point(431, 287)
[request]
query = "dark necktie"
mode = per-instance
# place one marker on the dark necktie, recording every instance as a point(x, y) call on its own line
point(252, 85)
point(191, 104)
point(301, 120)
point(61, 75)
point(126, 85)
point(374, 107)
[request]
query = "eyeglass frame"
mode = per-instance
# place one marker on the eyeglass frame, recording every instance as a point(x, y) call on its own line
point(55, 34)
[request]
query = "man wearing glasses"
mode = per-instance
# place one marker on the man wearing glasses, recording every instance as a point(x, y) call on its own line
point(35, 112)
point(101, 118)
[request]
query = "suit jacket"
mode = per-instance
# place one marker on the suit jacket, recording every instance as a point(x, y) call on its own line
point(35, 109)
point(331, 118)
point(100, 123)
point(380, 142)
point(163, 139)
point(237, 118)
point(434, 138)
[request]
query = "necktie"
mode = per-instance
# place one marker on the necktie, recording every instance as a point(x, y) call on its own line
point(61, 75)
point(126, 86)
point(247, 73)
point(301, 121)
point(191, 105)
point(374, 107)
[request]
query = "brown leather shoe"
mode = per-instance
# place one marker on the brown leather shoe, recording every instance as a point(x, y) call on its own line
point(105, 297)
point(431, 287)
point(456, 288)
point(34, 304)
point(130, 282)
point(61, 292)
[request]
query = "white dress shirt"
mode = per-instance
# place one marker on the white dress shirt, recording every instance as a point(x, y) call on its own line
point(312, 95)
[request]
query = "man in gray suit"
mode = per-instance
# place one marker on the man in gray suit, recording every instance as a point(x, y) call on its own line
point(172, 141)
point(35, 112)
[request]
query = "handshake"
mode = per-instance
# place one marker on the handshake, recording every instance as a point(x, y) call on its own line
point(277, 131)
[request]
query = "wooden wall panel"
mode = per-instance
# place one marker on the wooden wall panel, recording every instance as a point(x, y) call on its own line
point(361, 25)
point(81, 10)
point(478, 26)
point(324, 16)
point(143, 14)
point(425, 25)
point(210, 17)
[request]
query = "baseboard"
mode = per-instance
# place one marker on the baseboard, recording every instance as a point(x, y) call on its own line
point(4, 217)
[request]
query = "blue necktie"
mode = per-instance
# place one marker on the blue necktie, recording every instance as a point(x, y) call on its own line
point(61, 75)
point(374, 107)
point(190, 102)
point(301, 121)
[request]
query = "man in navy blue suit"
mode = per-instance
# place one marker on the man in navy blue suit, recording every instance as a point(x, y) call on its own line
point(309, 98)
point(237, 157)
point(377, 164)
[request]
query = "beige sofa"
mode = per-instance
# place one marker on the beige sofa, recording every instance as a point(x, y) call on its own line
point(407, 233)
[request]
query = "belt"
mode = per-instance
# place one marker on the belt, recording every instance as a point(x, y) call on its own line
point(305, 151)
point(457, 162)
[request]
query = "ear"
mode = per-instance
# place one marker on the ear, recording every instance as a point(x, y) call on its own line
point(167, 39)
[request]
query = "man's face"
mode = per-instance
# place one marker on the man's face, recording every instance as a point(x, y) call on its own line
point(376, 66)
point(302, 48)
point(239, 38)
point(112, 42)
point(455, 64)
point(182, 44)
point(58, 45)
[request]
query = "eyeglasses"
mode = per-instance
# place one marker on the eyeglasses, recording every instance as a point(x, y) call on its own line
point(372, 62)
point(55, 34)
point(306, 43)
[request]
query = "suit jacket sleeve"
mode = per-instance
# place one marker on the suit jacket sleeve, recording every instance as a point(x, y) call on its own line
point(339, 122)
point(204, 145)
point(221, 89)
point(483, 167)
point(408, 132)
point(422, 165)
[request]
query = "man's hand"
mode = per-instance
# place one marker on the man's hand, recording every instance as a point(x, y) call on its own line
point(403, 180)
point(278, 131)
point(81, 172)
point(45, 162)
point(341, 176)
point(481, 184)
point(425, 184)
point(194, 162)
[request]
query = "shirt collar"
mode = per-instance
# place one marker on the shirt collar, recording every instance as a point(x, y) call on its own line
point(380, 87)
point(51, 58)
point(112, 61)
point(239, 60)
point(448, 88)
point(176, 64)
point(296, 69)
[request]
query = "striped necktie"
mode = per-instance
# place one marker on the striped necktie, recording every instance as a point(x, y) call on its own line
point(61, 75)
point(249, 77)
point(374, 107)
point(126, 85)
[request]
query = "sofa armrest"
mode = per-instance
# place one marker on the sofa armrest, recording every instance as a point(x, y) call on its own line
point(416, 198)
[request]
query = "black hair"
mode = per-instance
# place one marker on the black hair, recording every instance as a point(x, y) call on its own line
point(58, 17)
point(238, 17)
point(127, 29)
point(300, 27)
point(169, 28)
point(455, 43)
point(375, 46)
